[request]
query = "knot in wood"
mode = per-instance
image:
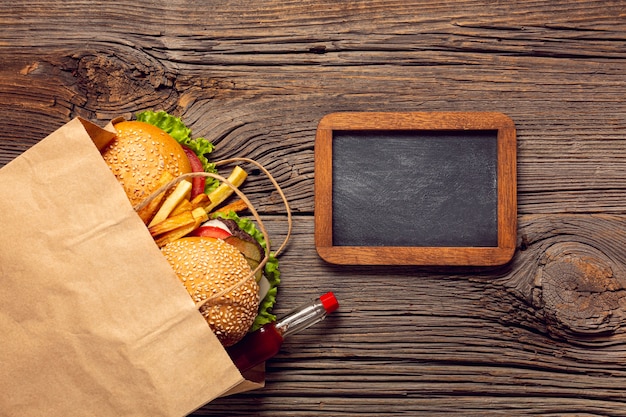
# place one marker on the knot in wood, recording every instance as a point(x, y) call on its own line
point(111, 83)
point(579, 293)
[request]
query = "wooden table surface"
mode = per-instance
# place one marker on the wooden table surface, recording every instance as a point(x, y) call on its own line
point(543, 335)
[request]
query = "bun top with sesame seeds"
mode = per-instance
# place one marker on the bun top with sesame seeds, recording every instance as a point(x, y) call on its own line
point(138, 156)
point(208, 266)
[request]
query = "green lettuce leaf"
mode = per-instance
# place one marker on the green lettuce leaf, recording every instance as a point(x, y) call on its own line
point(271, 271)
point(179, 131)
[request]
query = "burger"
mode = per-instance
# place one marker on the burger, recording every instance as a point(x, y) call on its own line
point(207, 266)
point(215, 259)
point(155, 143)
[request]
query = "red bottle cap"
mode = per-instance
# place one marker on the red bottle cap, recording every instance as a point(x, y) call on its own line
point(329, 302)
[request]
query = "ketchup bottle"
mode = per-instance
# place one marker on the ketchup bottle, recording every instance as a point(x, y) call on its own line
point(264, 343)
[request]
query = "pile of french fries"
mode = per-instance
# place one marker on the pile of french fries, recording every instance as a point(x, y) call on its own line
point(175, 216)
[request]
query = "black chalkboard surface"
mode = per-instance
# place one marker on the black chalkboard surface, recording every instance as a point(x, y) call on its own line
point(415, 188)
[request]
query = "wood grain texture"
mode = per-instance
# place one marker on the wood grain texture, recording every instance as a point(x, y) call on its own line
point(542, 335)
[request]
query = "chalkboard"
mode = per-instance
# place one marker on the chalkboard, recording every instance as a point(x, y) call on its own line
point(415, 188)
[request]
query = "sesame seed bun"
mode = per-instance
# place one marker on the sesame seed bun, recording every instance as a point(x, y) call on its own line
point(207, 266)
point(139, 155)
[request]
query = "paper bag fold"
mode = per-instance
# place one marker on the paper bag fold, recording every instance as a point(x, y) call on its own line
point(94, 322)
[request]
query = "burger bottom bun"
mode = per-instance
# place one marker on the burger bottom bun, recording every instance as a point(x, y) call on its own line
point(207, 266)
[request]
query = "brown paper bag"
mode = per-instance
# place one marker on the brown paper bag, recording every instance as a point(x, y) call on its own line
point(93, 320)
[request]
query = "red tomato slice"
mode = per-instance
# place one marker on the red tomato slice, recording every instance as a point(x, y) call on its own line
point(211, 231)
point(197, 183)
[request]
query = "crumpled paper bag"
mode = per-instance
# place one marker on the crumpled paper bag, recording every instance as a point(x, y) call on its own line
point(93, 320)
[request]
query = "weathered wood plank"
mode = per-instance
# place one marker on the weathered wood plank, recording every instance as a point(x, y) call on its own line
point(576, 168)
point(571, 169)
point(543, 335)
point(409, 339)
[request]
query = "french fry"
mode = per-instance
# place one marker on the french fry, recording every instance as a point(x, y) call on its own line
point(199, 216)
point(174, 222)
point(174, 235)
point(181, 192)
point(221, 193)
point(182, 207)
point(236, 206)
point(148, 212)
point(201, 200)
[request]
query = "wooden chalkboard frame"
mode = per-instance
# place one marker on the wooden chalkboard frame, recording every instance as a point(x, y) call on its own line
point(418, 255)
